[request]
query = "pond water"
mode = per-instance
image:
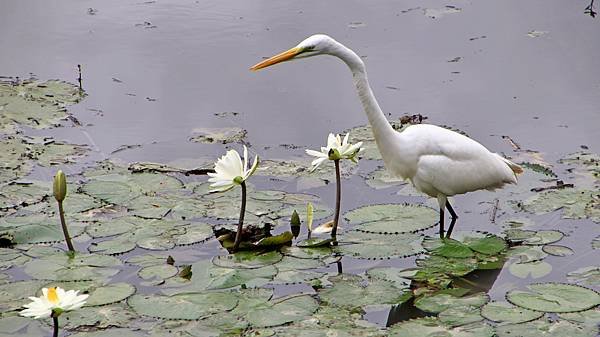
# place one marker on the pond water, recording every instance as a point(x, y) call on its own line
point(157, 72)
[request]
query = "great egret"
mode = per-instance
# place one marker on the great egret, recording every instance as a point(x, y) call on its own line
point(439, 162)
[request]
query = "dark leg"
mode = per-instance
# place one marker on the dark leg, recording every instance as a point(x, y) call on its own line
point(453, 221)
point(451, 210)
point(442, 223)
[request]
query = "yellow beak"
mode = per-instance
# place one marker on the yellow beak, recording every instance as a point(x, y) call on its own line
point(286, 55)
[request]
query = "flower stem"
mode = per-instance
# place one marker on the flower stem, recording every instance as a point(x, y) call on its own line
point(238, 235)
point(55, 320)
point(338, 196)
point(61, 212)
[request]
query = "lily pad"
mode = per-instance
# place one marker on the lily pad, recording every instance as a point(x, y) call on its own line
point(557, 250)
point(392, 218)
point(543, 237)
point(503, 312)
point(218, 135)
point(281, 311)
point(247, 259)
point(534, 269)
point(429, 326)
point(352, 291)
point(572, 201)
point(377, 246)
point(460, 315)
point(544, 327)
point(440, 302)
point(589, 276)
point(381, 178)
point(102, 317)
point(60, 267)
point(183, 306)
point(554, 297)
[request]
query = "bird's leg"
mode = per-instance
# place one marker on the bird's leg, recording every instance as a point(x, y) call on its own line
point(442, 223)
point(454, 217)
point(451, 210)
point(452, 222)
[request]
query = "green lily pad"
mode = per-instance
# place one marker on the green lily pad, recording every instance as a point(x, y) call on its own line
point(14, 295)
point(350, 291)
point(544, 327)
point(22, 326)
point(392, 218)
point(440, 302)
point(247, 259)
point(161, 272)
point(218, 135)
point(296, 276)
point(121, 332)
point(381, 178)
point(102, 317)
point(60, 267)
point(572, 201)
point(534, 269)
point(503, 312)
point(557, 250)
point(525, 254)
point(390, 274)
point(306, 253)
point(460, 315)
point(108, 294)
point(377, 246)
point(19, 194)
point(543, 237)
point(429, 326)
point(588, 317)
point(447, 247)
point(183, 306)
point(589, 276)
point(36, 104)
point(554, 297)
point(281, 311)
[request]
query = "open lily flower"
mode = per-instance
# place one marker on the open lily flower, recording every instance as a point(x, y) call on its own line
point(230, 171)
point(55, 300)
point(336, 149)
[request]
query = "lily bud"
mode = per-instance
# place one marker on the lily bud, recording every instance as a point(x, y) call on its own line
point(60, 186)
point(334, 154)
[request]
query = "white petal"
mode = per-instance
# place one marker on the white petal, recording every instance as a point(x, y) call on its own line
point(315, 153)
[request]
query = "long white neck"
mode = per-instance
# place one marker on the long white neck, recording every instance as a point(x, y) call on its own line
point(382, 130)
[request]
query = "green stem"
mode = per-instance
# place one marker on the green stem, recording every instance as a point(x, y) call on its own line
point(61, 212)
point(238, 235)
point(55, 320)
point(338, 196)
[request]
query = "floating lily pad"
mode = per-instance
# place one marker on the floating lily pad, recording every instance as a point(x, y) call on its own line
point(108, 294)
point(280, 311)
point(296, 276)
point(534, 269)
point(21, 194)
point(183, 306)
point(392, 218)
point(588, 318)
point(447, 247)
point(557, 250)
point(61, 267)
point(307, 253)
point(589, 276)
point(543, 237)
point(121, 332)
point(36, 104)
point(378, 246)
point(440, 302)
point(381, 178)
point(429, 326)
point(390, 274)
point(503, 312)
point(14, 295)
point(524, 254)
point(460, 315)
point(352, 291)
point(572, 201)
point(218, 135)
point(543, 327)
point(118, 315)
point(247, 259)
point(554, 297)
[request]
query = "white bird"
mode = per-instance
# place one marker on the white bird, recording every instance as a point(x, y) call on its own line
point(439, 162)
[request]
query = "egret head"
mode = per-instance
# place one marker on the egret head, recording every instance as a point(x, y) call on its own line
point(314, 45)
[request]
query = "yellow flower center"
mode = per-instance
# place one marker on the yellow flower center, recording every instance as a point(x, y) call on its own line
point(52, 296)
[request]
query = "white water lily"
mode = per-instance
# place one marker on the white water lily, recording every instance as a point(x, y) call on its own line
point(55, 300)
point(230, 171)
point(336, 149)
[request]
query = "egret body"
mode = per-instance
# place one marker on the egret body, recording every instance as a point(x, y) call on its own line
point(439, 162)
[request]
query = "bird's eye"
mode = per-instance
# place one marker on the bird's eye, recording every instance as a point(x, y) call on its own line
point(310, 48)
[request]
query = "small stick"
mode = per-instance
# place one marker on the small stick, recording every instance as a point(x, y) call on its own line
point(79, 78)
point(494, 210)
